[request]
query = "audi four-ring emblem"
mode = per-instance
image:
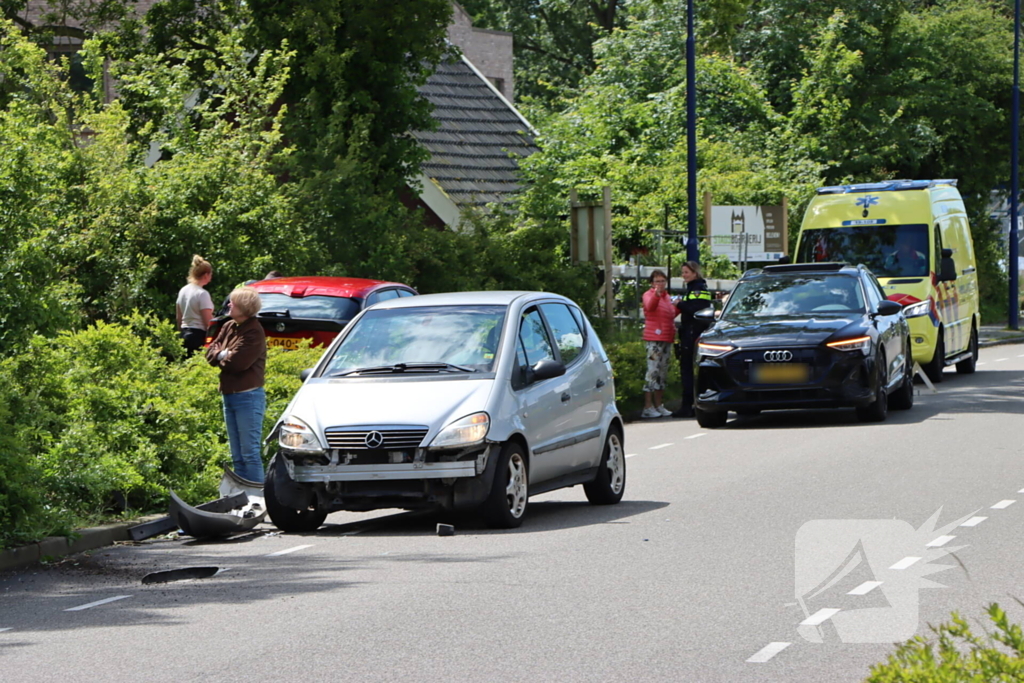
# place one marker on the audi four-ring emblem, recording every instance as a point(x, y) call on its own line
point(773, 357)
point(374, 440)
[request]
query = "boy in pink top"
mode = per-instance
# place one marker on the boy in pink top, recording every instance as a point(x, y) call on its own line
point(659, 333)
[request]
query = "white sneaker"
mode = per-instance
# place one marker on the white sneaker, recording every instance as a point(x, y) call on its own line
point(650, 413)
point(665, 412)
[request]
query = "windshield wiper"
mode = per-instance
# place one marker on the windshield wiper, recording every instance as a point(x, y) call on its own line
point(404, 367)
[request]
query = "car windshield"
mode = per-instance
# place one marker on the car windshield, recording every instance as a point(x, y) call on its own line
point(309, 307)
point(461, 337)
point(888, 250)
point(800, 295)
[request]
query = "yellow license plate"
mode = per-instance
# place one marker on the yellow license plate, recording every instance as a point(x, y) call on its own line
point(780, 373)
point(287, 343)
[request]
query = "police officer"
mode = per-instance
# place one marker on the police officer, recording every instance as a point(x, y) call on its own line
point(697, 297)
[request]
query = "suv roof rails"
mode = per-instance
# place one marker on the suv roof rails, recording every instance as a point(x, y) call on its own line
point(828, 267)
point(886, 186)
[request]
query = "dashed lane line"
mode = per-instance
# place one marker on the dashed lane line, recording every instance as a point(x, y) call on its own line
point(1003, 504)
point(865, 588)
point(767, 652)
point(289, 550)
point(97, 603)
point(695, 436)
point(660, 446)
point(1000, 360)
point(905, 562)
point(820, 617)
point(974, 521)
point(6, 629)
point(980, 362)
point(631, 455)
point(939, 542)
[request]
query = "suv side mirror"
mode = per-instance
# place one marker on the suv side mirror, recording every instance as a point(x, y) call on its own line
point(947, 268)
point(546, 369)
point(705, 314)
point(305, 374)
point(889, 308)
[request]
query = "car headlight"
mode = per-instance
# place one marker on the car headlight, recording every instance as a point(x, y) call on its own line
point(918, 309)
point(295, 435)
point(708, 350)
point(854, 344)
point(467, 431)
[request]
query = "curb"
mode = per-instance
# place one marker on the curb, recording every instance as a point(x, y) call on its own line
point(1000, 342)
point(59, 546)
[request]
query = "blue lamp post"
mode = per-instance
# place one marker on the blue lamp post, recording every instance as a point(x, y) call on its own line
point(692, 252)
point(1014, 164)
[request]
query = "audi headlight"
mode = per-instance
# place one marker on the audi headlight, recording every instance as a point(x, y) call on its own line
point(918, 309)
point(708, 350)
point(295, 435)
point(465, 432)
point(854, 344)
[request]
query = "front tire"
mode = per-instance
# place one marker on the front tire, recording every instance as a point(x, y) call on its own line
point(938, 362)
point(877, 410)
point(286, 518)
point(505, 507)
point(712, 419)
point(903, 398)
point(967, 367)
point(610, 482)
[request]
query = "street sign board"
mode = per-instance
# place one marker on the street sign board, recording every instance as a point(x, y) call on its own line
point(748, 233)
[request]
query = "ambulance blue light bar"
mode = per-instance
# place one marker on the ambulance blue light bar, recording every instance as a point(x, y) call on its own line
point(886, 186)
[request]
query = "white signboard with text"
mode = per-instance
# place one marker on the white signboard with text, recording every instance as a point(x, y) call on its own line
point(748, 233)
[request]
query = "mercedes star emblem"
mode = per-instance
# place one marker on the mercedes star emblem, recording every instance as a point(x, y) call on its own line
point(778, 356)
point(374, 440)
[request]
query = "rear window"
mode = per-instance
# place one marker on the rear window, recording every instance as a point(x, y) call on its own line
point(310, 307)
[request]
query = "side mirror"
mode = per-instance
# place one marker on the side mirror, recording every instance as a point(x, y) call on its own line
point(705, 314)
point(305, 374)
point(947, 268)
point(888, 308)
point(546, 369)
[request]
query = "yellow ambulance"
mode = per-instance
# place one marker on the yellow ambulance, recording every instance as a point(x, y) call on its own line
point(914, 236)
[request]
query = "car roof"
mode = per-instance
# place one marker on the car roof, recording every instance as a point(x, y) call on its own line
point(498, 298)
point(322, 286)
point(824, 267)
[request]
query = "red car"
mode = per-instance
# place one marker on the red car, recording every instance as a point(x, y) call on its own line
point(316, 308)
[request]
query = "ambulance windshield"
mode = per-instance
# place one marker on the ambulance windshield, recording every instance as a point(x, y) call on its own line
point(888, 250)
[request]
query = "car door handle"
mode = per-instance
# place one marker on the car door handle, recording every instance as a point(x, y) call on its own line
point(566, 397)
point(600, 383)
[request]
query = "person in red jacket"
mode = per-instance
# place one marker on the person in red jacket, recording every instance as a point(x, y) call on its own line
point(659, 333)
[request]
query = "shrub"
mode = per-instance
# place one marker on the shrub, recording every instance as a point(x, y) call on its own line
point(628, 355)
point(100, 413)
point(957, 654)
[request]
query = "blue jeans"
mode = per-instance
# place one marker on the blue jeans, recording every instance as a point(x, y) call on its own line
point(243, 414)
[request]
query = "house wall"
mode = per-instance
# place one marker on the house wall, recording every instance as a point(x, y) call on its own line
point(490, 51)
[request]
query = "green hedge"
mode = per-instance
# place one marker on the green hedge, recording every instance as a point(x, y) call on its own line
point(629, 366)
point(111, 413)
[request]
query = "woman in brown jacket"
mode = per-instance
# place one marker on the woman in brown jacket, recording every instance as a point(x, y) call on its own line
point(240, 351)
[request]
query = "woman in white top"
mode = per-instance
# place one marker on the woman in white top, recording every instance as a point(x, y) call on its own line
point(195, 307)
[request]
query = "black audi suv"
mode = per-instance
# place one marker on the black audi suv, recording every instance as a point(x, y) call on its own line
point(804, 335)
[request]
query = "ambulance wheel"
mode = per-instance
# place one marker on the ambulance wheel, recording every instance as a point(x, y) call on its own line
point(966, 367)
point(937, 364)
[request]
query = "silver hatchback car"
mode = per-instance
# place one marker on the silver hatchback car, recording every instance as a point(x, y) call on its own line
point(462, 401)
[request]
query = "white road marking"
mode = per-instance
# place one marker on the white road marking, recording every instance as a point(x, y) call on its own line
point(865, 588)
point(695, 436)
point(974, 521)
point(981, 362)
point(1021, 491)
point(631, 455)
point(1000, 360)
point(819, 617)
point(6, 629)
point(659, 446)
point(767, 652)
point(97, 603)
point(939, 542)
point(905, 562)
point(1003, 504)
point(1021, 356)
point(289, 550)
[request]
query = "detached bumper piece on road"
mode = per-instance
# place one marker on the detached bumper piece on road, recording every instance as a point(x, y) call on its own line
point(245, 516)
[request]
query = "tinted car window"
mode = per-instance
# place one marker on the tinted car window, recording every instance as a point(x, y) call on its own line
point(310, 307)
point(534, 338)
point(795, 295)
point(565, 330)
point(888, 250)
point(406, 292)
point(460, 335)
